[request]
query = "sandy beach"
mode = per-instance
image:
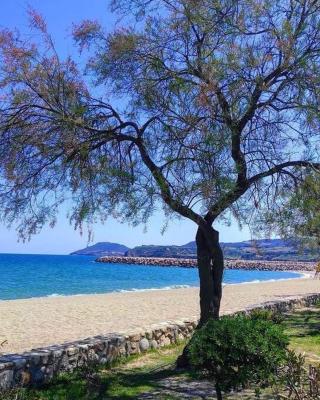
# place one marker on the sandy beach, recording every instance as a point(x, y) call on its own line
point(38, 322)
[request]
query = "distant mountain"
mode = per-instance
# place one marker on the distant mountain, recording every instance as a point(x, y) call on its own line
point(268, 249)
point(265, 249)
point(163, 251)
point(103, 249)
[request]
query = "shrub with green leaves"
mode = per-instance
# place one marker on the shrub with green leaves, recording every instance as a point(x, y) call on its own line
point(268, 315)
point(236, 351)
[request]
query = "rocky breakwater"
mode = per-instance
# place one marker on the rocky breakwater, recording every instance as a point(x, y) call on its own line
point(262, 265)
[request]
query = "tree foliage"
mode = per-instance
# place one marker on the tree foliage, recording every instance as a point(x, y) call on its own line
point(220, 100)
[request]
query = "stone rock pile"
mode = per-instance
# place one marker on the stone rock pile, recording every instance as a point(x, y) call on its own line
point(262, 265)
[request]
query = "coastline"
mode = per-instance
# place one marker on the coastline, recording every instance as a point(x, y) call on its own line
point(43, 321)
point(300, 275)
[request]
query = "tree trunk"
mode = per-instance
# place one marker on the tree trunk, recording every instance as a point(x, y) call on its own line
point(210, 268)
point(218, 392)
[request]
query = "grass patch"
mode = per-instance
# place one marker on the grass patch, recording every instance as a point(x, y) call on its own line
point(141, 374)
point(303, 329)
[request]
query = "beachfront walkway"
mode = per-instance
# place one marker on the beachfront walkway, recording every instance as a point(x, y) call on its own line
point(32, 323)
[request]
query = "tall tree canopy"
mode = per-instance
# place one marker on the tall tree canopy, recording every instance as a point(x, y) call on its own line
point(202, 106)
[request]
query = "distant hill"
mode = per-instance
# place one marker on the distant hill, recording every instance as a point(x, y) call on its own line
point(269, 249)
point(103, 249)
point(266, 249)
point(163, 251)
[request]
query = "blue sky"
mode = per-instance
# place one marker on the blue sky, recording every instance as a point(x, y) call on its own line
point(60, 14)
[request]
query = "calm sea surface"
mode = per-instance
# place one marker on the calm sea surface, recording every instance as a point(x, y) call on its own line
point(25, 276)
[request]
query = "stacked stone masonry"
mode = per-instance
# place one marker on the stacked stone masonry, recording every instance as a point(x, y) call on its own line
point(39, 366)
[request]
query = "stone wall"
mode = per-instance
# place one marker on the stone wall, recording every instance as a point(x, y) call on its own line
point(39, 366)
point(261, 265)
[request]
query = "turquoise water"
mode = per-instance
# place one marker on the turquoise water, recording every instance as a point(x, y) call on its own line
point(25, 276)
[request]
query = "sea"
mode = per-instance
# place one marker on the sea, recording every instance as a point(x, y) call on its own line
point(27, 276)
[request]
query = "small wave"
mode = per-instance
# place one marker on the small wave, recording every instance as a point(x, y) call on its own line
point(299, 276)
point(70, 294)
point(121, 291)
point(247, 282)
point(152, 289)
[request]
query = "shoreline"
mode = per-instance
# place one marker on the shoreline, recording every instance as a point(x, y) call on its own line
point(40, 322)
point(301, 275)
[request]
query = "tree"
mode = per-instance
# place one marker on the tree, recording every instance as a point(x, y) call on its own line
point(206, 107)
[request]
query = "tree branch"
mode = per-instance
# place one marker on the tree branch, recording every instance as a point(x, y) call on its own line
point(278, 168)
point(166, 195)
point(232, 196)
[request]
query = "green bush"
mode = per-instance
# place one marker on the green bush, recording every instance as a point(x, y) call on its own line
point(267, 315)
point(236, 351)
